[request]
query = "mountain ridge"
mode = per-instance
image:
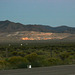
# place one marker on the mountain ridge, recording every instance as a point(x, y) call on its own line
point(8, 26)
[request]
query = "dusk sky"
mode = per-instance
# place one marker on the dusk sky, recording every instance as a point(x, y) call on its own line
point(45, 12)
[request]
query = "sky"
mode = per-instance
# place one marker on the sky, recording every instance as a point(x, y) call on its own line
point(46, 12)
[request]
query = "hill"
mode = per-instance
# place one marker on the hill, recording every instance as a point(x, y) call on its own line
point(8, 26)
point(17, 32)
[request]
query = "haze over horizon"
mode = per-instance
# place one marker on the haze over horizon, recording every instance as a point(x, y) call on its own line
point(45, 12)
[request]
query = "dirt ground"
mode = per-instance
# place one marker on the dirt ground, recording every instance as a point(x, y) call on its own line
point(55, 70)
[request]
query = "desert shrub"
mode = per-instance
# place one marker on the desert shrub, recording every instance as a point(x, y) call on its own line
point(51, 61)
point(34, 59)
point(14, 53)
point(64, 55)
point(4, 64)
point(18, 62)
point(54, 61)
point(22, 54)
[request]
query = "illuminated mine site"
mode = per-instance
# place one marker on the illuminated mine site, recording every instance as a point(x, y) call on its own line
point(42, 36)
point(38, 38)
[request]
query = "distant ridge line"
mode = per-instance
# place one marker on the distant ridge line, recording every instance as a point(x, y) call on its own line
point(8, 26)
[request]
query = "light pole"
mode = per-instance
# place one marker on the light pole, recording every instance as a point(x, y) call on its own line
point(7, 52)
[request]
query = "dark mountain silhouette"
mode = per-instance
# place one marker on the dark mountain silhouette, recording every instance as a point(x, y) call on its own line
point(8, 26)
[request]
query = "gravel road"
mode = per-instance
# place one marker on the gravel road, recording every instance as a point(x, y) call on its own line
point(55, 70)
